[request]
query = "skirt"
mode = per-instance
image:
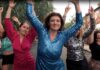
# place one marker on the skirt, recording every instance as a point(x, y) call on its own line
point(7, 59)
point(77, 65)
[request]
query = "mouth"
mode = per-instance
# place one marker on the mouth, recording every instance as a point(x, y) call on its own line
point(98, 39)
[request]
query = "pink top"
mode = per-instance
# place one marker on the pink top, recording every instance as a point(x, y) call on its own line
point(23, 59)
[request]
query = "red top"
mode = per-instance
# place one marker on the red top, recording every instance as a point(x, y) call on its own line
point(23, 59)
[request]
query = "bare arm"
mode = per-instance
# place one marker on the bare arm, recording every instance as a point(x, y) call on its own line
point(8, 24)
point(90, 33)
point(65, 12)
point(1, 27)
point(11, 6)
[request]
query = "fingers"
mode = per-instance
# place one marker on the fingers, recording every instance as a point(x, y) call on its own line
point(15, 18)
point(91, 10)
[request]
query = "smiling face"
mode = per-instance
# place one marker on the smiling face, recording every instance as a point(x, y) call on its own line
point(24, 28)
point(98, 38)
point(55, 23)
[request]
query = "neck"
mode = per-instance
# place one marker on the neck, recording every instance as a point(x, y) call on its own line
point(21, 37)
point(53, 34)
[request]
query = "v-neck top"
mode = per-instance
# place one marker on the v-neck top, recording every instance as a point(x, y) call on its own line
point(23, 59)
point(48, 53)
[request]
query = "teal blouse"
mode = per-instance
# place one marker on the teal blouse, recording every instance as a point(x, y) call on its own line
point(6, 45)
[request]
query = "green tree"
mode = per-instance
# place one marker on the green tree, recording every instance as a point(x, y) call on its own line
point(70, 23)
point(41, 8)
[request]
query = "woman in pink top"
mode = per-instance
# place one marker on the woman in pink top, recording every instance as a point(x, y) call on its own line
point(22, 42)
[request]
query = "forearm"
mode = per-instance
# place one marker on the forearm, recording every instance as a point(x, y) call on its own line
point(78, 24)
point(91, 29)
point(77, 7)
point(8, 14)
point(64, 16)
point(18, 22)
point(72, 31)
point(9, 28)
point(1, 26)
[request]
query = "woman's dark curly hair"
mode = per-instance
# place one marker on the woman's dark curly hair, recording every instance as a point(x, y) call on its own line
point(95, 35)
point(47, 20)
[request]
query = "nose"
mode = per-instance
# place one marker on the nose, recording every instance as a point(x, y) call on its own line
point(55, 22)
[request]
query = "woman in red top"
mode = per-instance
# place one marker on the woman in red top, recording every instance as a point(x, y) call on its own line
point(22, 42)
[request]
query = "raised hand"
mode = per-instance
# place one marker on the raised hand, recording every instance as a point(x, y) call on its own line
point(91, 12)
point(1, 10)
point(75, 1)
point(11, 4)
point(77, 5)
point(67, 8)
point(14, 18)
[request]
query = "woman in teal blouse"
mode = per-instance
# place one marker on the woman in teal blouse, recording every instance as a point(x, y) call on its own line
point(7, 54)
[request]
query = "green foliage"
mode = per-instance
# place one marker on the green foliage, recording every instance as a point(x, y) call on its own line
point(18, 11)
point(41, 8)
point(70, 23)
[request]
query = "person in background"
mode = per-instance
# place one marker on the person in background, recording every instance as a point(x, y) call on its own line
point(1, 33)
point(7, 53)
point(75, 47)
point(95, 51)
point(51, 37)
point(1, 27)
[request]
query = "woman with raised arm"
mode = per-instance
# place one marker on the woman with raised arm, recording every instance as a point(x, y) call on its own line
point(6, 47)
point(52, 37)
point(1, 26)
point(95, 51)
point(75, 47)
point(21, 41)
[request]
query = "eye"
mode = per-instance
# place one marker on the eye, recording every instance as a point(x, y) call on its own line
point(58, 20)
point(24, 27)
point(52, 20)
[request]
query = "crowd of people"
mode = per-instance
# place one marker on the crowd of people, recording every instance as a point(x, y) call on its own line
point(16, 44)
